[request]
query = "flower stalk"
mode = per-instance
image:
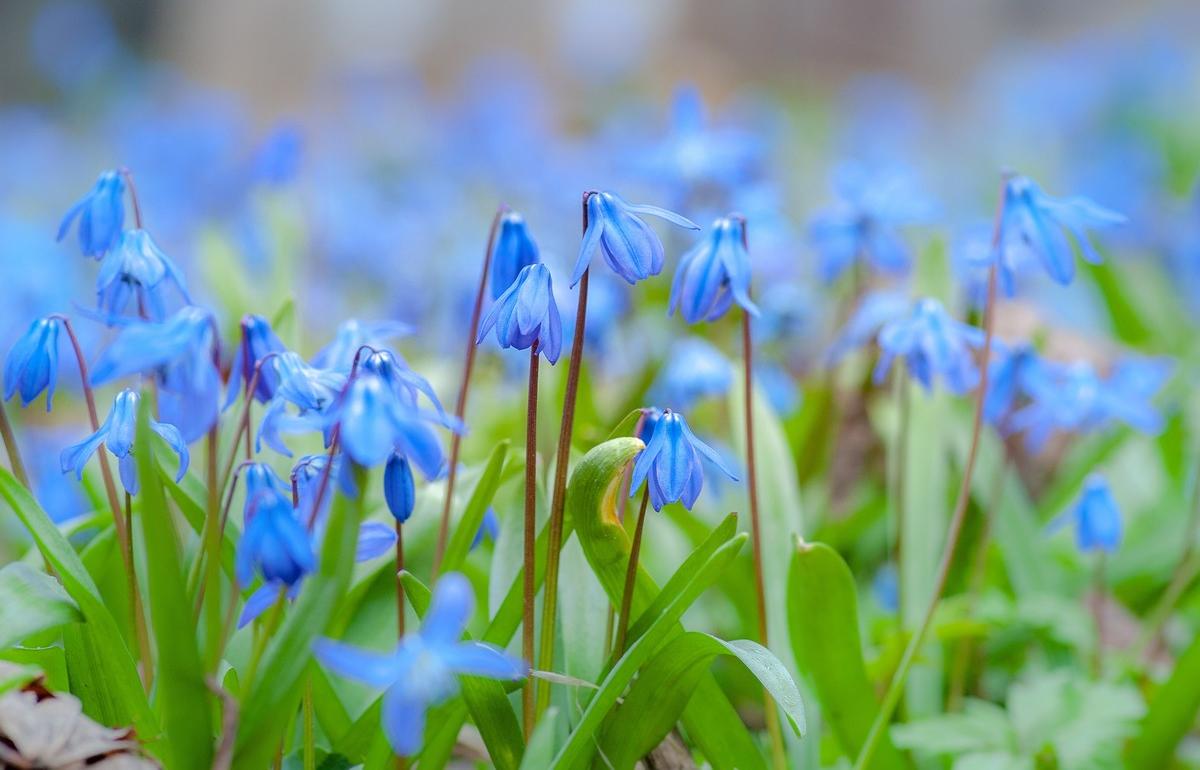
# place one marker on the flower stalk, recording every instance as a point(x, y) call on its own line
point(631, 576)
point(530, 534)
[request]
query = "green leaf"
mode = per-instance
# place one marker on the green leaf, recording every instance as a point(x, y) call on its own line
point(481, 498)
point(32, 601)
point(50, 661)
point(1172, 713)
point(823, 627)
point(543, 744)
point(97, 656)
point(627, 425)
point(189, 495)
point(591, 504)
point(275, 693)
point(183, 696)
point(982, 728)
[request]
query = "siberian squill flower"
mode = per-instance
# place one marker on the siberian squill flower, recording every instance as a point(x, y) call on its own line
point(1033, 221)
point(32, 364)
point(515, 249)
point(1095, 516)
point(874, 311)
point(310, 389)
point(693, 370)
point(136, 269)
point(275, 543)
point(354, 335)
point(1015, 372)
point(628, 245)
point(258, 341)
point(713, 274)
point(398, 489)
point(179, 353)
point(670, 463)
point(526, 314)
point(117, 434)
point(101, 215)
point(864, 223)
point(424, 668)
point(931, 344)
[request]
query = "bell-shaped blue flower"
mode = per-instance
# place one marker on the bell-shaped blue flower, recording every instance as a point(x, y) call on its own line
point(713, 274)
point(1033, 221)
point(932, 344)
point(101, 215)
point(32, 364)
point(117, 434)
point(515, 250)
point(179, 353)
point(1015, 373)
point(874, 311)
point(424, 668)
point(1095, 516)
point(694, 369)
point(670, 463)
point(275, 543)
point(136, 269)
point(352, 336)
point(398, 489)
point(258, 341)
point(526, 313)
point(628, 245)
point(261, 479)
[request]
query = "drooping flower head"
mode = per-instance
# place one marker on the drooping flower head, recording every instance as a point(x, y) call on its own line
point(101, 215)
point(515, 250)
point(258, 341)
point(631, 249)
point(670, 463)
point(311, 390)
point(32, 364)
point(260, 479)
point(1095, 516)
point(1015, 372)
point(180, 353)
point(352, 336)
point(864, 223)
point(117, 433)
point(932, 344)
point(275, 543)
point(1033, 221)
point(526, 313)
point(424, 668)
point(136, 269)
point(714, 274)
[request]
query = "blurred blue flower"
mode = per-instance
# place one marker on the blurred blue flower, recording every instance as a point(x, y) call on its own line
point(260, 479)
point(694, 369)
point(308, 387)
point(780, 387)
point(101, 215)
point(136, 269)
point(515, 250)
point(526, 313)
point(277, 159)
point(670, 463)
point(117, 434)
point(488, 528)
point(864, 223)
point(398, 489)
point(1033, 221)
point(932, 344)
point(179, 352)
point(424, 668)
point(352, 336)
point(885, 586)
point(72, 42)
point(874, 311)
point(1095, 516)
point(713, 274)
point(631, 249)
point(275, 543)
point(1014, 373)
point(32, 364)
point(258, 340)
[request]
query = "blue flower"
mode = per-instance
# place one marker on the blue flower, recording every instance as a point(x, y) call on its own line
point(313, 391)
point(32, 364)
point(1014, 373)
point(713, 274)
point(352, 336)
point(398, 489)
point(101, 215)
point(526, 313)
point(136, 269)
point(424, 668)
point(258, 341)
point(1033, 221)
point(179, 353)
point(489, 528)
point(275, 543)
point(117, 433)
point(874, 311)
point(932, 344)
point(1096, 517)
point(885, 586)
point(670, 463)
point(863, 224)
point(628, 245)
point(694, 369)
point(515, 249)
point(261, 479)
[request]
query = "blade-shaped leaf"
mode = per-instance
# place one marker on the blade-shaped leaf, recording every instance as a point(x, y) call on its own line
point(32, 601)
point(477, 504)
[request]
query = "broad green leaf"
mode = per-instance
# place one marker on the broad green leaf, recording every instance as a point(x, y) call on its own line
point(481, 498)
point(275, 693)
point(543, 744)
point(1172, 713)
point(183, 696)
point(50, 661)
point(97, 655)
point(31, 601)
point(823, 626)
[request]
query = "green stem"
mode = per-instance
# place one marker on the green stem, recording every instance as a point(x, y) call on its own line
point(528, 593)
point(212, 549)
